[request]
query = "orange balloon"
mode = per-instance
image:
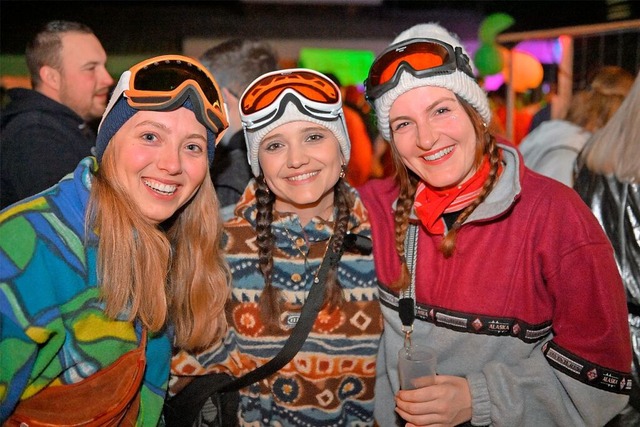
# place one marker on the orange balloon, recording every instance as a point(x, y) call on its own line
point(527, 70)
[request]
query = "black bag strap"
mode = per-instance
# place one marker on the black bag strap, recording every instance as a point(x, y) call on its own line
point(193, 396)
point(300, 332)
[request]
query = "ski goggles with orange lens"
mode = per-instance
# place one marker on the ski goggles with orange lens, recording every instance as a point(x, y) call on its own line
point(166, 81)
point(266, 98)
point(419, 57)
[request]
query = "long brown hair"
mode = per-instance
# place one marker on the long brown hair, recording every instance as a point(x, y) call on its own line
point(408, 182)
point(175, 272)
point(270, 304)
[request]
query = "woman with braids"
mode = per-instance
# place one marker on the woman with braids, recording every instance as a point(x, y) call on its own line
point(298, 147)
point(505, 273)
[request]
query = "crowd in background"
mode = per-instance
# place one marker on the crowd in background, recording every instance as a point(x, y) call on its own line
point(209, 274)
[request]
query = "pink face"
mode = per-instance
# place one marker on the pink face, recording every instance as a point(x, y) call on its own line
point(84, 79)
point(161, 160)
point(434, 136)
point(301, 162)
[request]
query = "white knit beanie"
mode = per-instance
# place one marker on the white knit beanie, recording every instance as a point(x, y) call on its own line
point(457, 82)
point(292, 114)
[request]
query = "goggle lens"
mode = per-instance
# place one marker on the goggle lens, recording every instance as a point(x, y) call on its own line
point(421, 57)
point(418, 61)
point(264, 92)
point(166, 76)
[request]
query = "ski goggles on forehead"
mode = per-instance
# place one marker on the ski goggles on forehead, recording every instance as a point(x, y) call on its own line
point(266, 99)
point(419, 57)
point(165, 82)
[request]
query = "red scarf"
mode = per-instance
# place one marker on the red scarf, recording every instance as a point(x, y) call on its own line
point(430, 203)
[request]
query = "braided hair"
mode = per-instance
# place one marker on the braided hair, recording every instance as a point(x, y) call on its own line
point(270, 302)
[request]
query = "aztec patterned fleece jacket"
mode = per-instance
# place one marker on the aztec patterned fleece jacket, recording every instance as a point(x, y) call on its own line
point(530, 308)
point(53, 329)
point(331, 380)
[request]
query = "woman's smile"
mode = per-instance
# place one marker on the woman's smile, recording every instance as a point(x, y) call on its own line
point(439, 154)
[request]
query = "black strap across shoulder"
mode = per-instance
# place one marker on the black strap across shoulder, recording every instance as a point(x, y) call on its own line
point(185, 406)
point(299, 333)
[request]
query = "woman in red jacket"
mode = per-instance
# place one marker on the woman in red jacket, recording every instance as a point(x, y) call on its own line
point(505, 273)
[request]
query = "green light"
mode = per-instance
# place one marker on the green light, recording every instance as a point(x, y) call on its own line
point(350, 66)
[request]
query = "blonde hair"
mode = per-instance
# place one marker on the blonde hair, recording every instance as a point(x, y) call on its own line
point(615, 149)
point(408, 182)
point(173, 272)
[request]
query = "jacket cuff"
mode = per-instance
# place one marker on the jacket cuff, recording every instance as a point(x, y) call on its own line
point(480, 403)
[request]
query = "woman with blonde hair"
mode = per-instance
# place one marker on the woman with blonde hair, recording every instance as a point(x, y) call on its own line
point(107, 269)
point(608, 180)
point(552, 148)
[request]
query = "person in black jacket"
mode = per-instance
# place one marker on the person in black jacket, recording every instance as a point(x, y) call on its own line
point(234, 64)
point(45, 130)
point(608, 180)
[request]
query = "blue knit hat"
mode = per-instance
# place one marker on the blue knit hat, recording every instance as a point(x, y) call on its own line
point(118, 111)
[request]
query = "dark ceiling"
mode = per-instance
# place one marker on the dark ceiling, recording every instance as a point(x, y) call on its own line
point(148, 26)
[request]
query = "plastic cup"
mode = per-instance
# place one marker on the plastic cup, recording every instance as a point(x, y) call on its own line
point(417, 367)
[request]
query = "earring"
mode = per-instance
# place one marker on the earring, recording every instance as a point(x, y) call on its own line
point(343, 169)
point(266, 187)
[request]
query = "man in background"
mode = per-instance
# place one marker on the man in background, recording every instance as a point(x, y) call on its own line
point(360, 165)
point(235, 63)
point(45, 130)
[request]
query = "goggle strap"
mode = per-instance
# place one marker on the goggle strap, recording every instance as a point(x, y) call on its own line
point(462, 62)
